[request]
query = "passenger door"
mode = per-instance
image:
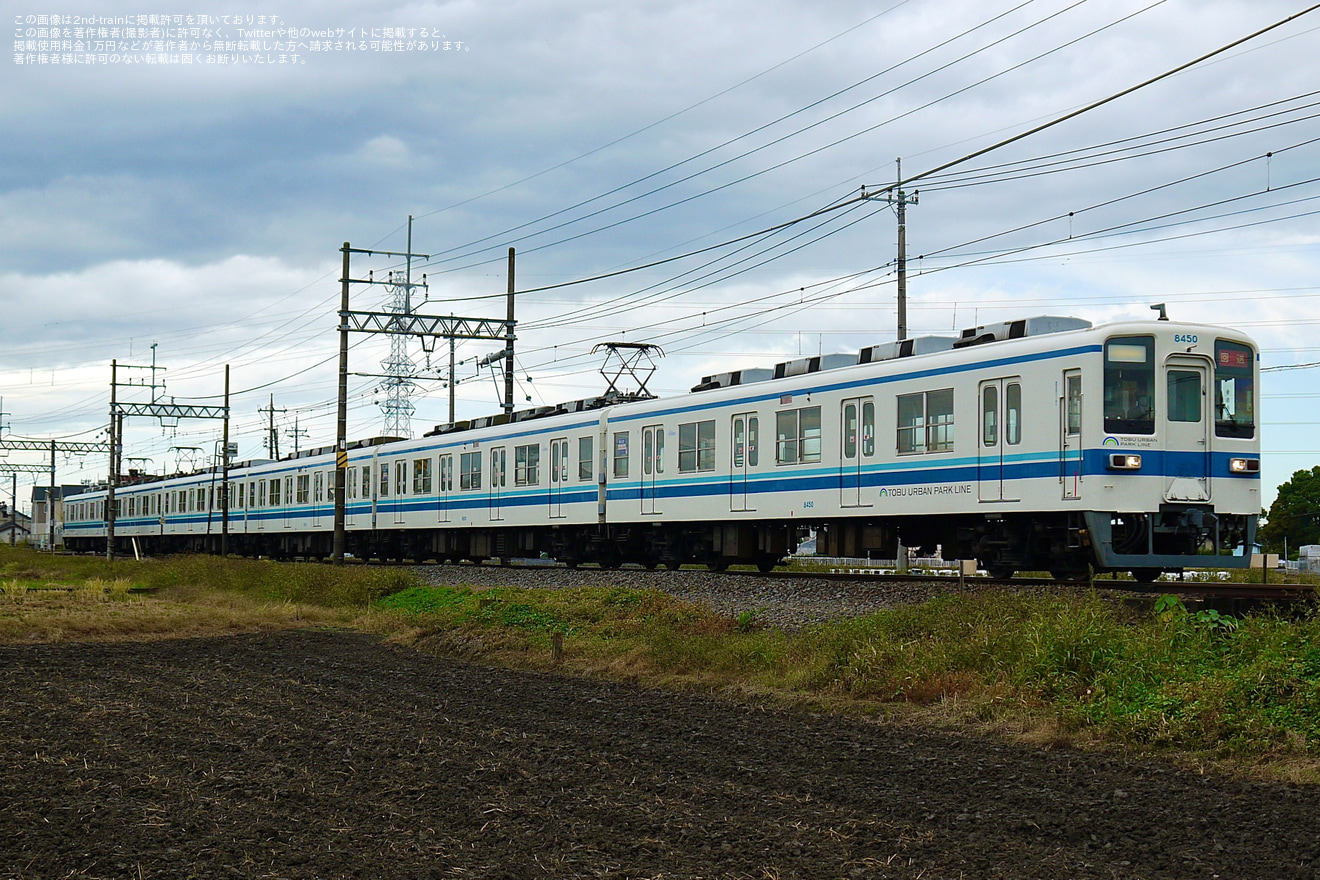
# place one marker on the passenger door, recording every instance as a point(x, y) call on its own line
point(1001, 431)
point(1070, 435)
point(498, 481)
point(400, 489)
point(446, 486)
point(653, 465)
point(558, 476)
point(746, 457)
point(858, 445)
point(1186, 431)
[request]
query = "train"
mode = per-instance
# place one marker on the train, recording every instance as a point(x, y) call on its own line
point(1038, 444)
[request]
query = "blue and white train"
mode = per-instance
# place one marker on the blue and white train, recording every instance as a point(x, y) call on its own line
point(1038, 444)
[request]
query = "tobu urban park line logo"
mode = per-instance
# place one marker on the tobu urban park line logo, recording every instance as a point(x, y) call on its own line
point(910, 491)
point(1110, 441)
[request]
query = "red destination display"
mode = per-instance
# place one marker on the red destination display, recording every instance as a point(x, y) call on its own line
point(1229, 357)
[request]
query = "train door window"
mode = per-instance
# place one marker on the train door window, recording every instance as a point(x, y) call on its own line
point(241, 487)
point(422, 476)
point(288, 489)
point(330, 485)
point(1129, 385)
point(401, 478)
point(1184, 388)
point(990, 415)
point(621, 454)
point(584, 459)
point(696, 446)
point(527, 465)
point(1235, 400)
point(318, 487)
point(446, 473)
point(850, 430)
point(563, 461)
point(753, 442)
point(868, 428)
point(384, 489)
point(1073, 390)
point(1013, 413)
point(469, 470)
point(498, 468)
point(350, 483)
point(739, 445)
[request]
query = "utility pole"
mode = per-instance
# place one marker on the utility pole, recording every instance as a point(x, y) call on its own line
point(224, 478)
point(272, 436)
point(453, 376)
point(508, 343)
point(115, 423)
point(896, 197)
point(296, 433)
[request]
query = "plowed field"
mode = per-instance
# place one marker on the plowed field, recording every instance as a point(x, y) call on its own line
point(327, 754)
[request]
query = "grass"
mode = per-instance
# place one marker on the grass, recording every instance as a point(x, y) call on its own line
point(1050, 669)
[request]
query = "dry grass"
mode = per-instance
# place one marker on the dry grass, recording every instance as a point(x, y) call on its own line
point(107, 612)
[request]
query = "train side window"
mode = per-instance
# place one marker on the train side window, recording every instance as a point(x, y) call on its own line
point(446, 473)
point(925, 422)
point(584, 459)
point(422, 476)
point(1013, 414)
point(1235, 399)
point(1184, 396)
point(1130, 385)
point(527, 465)
point(469, 470)
point(696, 447)
point(366, 481)
point(621, 454)
point(797, 435)
point(304, 488)
point(274, 492)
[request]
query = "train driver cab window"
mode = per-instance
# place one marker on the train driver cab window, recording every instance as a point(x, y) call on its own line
point(584, 459)
point(1235, 398)
point(621, 454)
point(1130, 385)
point(1184, 396)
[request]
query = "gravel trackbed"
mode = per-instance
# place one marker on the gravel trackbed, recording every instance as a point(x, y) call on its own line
point(328, 754)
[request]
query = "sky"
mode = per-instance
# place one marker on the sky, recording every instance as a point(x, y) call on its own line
point(182, 194)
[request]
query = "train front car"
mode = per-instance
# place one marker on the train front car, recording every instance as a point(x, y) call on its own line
point(1166, 460)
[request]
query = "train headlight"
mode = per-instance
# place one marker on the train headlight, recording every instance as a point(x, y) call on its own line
point(1244, 465)
point(1124, 461)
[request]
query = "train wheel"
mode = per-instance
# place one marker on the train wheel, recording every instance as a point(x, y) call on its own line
point(1069, 574)
point(1000, 572)
point(1146, 575)
point(719, 565)
point(766, 565)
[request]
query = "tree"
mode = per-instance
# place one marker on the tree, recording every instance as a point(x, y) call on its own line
point(1294, 515)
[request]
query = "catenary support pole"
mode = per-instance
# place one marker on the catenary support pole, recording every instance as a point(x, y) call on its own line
point(508, 344)
point(341, 420)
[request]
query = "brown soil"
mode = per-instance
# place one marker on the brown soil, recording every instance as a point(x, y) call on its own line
point(327, 754)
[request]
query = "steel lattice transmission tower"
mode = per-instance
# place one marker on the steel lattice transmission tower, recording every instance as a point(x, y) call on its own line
point(399, 367)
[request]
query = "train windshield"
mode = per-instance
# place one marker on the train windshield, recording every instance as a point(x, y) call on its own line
point(1235, 393)
point(1130, 385)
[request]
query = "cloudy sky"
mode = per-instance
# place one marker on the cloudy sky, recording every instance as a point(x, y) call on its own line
point(186, 189)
